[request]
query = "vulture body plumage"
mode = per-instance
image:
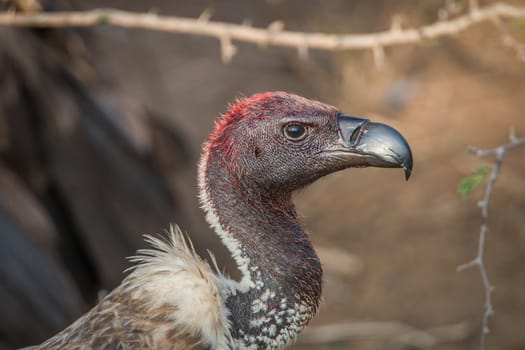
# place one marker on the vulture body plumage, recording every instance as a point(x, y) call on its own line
point(263, 149)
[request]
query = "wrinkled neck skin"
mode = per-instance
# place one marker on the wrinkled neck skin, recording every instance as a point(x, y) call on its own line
point(281, 275)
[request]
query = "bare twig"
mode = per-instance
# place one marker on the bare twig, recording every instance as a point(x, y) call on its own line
point(273, 35)
point(499, 152)
point(385, 331)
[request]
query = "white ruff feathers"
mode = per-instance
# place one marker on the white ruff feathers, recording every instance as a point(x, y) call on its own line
point(173, 274)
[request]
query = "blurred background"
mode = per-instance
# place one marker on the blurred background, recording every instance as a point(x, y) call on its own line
point(101, 129)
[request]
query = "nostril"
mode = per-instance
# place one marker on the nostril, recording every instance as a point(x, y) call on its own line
point(351, 129)
point(355, 134)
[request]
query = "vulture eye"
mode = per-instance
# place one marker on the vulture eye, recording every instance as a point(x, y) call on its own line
point(294, 131)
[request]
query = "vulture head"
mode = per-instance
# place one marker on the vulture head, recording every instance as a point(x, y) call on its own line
point(281, 142)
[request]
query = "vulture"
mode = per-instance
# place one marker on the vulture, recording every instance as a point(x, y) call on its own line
point(262, 149)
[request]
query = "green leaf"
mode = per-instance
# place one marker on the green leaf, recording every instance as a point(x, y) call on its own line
point(469, 183)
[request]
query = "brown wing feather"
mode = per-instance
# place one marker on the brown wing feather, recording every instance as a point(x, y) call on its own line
point(169, 301)
point(122, 322)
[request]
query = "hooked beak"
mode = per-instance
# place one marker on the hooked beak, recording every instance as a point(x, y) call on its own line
point(373, 144)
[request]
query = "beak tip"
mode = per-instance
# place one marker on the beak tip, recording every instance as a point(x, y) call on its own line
point(408, 173)
point(407, 166)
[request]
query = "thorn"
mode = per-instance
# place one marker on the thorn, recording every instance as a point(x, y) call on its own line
point(302, 51)
point(205, 16)
point(512, 134)
point(468, 265)
point(396, 23)
point(379, 57)
point(272, 29)
point(490, 311)
point(275, 26)
point(228, 50)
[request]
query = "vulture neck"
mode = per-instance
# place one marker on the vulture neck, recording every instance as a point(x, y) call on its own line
point(281, 275)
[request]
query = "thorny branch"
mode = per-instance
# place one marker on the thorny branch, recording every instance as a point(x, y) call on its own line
point(479, 260)
point(274, 34)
